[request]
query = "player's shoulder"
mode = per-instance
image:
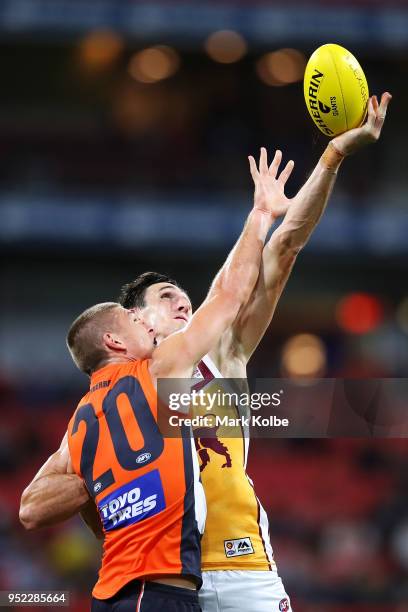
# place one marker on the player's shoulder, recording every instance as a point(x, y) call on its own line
point(109, 377)
point(105, 379)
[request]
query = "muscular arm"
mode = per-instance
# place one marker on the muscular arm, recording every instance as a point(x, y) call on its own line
point(56, 493)
point(279, 256)
point(177, 354)
point(303, 214)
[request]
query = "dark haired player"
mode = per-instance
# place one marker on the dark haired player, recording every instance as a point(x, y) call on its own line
point(237, 520)
point(246, 580)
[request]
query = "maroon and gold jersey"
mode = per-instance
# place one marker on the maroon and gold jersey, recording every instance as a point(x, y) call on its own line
point(236, 534)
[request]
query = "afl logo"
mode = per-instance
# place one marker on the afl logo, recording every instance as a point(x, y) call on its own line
point(97, 487)
point(284, 605)
point(143, 458)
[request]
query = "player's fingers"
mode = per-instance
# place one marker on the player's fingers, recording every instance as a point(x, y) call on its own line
point(385, 100)
point(286, 172)
point(263, 161)
point(273, 168)
point(370, 111)
point(252, 167)
point(380, 113)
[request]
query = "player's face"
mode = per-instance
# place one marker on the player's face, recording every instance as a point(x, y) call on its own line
point(136, 335)
point(167, 309)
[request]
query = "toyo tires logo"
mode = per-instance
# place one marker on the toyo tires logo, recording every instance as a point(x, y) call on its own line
point(132, 502)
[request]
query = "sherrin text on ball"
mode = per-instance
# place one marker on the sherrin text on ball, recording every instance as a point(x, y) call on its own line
point(335, 89)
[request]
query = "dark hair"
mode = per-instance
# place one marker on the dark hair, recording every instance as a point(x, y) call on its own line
point(132, 295)
point(84, 339)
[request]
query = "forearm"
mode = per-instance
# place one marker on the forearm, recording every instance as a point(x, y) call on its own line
point(279, 254)
point(301, 218)
point(241, 269)
point(231, 289)
point(310, 202)
point(52, 498)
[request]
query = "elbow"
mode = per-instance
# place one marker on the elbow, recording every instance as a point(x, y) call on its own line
point(27, 518)
point(26, 514)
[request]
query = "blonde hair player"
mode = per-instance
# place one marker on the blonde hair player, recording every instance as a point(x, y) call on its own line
point(246, 582)
point(145, 485)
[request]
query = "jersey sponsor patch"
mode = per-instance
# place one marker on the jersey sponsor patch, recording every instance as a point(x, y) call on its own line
point(284, 605)
point(136, 500)
point(237, 548)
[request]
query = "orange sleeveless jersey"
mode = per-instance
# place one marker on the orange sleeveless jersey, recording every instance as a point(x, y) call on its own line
point(145, 486)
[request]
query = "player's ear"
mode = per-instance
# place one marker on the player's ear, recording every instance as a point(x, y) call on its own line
point(113, 341)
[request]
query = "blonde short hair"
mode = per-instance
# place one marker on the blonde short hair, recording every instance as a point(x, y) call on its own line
point(85, 336)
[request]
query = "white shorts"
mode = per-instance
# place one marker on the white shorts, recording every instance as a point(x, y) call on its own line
point(243, 591)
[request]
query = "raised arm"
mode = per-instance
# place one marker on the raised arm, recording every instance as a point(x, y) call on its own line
point(232, 287)
point(303, 213)
point(56, 493)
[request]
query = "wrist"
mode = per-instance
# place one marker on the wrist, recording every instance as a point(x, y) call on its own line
point(259, 209)
point(261, 219)
point(332, 158)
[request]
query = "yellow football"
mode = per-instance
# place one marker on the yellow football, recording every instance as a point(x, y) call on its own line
point(336, 90)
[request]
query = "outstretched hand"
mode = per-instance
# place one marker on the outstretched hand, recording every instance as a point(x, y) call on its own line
point(269, 195)
point(349, 142)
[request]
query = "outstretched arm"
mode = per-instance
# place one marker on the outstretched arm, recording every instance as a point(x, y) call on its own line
point(56, 493)
point(232, 287)
point(303, 213)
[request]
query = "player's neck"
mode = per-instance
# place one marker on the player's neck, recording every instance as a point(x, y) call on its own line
point(119, 358)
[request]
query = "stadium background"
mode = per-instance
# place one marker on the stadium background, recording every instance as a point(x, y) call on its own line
point(114, 160)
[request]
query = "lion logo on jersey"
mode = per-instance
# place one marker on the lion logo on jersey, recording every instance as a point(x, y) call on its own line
point(206, 439)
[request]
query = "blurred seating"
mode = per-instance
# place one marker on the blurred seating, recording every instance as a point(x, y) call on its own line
point(335, 509)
